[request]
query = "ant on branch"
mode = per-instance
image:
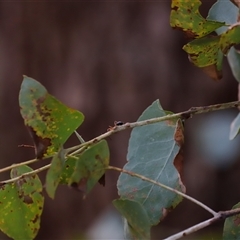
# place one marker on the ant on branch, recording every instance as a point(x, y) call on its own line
point(116, 123)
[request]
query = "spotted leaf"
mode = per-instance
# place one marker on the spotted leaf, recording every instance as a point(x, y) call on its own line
point(21, 205)
point(49, 121)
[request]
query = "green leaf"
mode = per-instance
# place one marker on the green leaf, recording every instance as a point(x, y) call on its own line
point(154, 152)
point(137, 219)
point(234, 62)
point(185, 16)
point(68, 169)
point(235, 127)
point(230, 38)
point(231, 229)
point(21, 205)
point(204, 51)
point(90, 166)
point(226, 11)
point(55, 172)
point(49, 121)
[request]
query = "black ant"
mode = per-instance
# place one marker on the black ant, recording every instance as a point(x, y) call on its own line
point(116, 123)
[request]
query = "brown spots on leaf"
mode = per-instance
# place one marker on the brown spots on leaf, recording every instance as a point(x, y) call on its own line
point(36, 218)
point(20, 181)
point(237, 220)
point(178, 135)
point(178, 164)
point(130, 195)
point(41, 144)
point(81, 185)
point(213, 72)
point(164, 213)
point(135, 189)
point(35, 231)
point(175, 8)
point(178, 161)
point(27, 199)
point(190, 34)
point(98, 157)
point(40, 100)
point(102, 180)
point(185, 13)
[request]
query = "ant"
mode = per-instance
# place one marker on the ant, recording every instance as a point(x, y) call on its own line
point(116, 123)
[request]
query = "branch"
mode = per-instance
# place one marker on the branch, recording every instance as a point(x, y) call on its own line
point(194, 228)
point(182, 115)
point(28, 162)
point(166, 187)
point(34, 171)
point(112, 130)
point(219, 216)
point(18, 165)
point(26, 174)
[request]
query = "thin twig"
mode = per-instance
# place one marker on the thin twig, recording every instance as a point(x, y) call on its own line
point(194, 228)
point(219, 216)
point(26, 174)
point(78, 151)
point(18, 165)
point(182, 115)
point(28, 162)
point(164, 186)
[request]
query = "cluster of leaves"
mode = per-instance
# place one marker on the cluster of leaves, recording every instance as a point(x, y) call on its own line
point(207, 49)
point(50, 124)
point(154, 152)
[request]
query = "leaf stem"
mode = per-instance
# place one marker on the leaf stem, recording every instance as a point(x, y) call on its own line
point(166, 187)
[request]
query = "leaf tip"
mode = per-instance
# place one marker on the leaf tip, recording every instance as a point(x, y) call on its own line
point(234, 127)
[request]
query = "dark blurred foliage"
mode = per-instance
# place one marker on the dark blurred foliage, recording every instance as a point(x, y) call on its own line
point(110, 60)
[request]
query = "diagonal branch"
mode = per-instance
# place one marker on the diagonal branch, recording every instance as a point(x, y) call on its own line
point(219, 216)
point(166, 187)
point(182, 115)
point(117, 128)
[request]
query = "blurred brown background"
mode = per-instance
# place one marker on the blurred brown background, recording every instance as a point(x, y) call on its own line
point(110, 60)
